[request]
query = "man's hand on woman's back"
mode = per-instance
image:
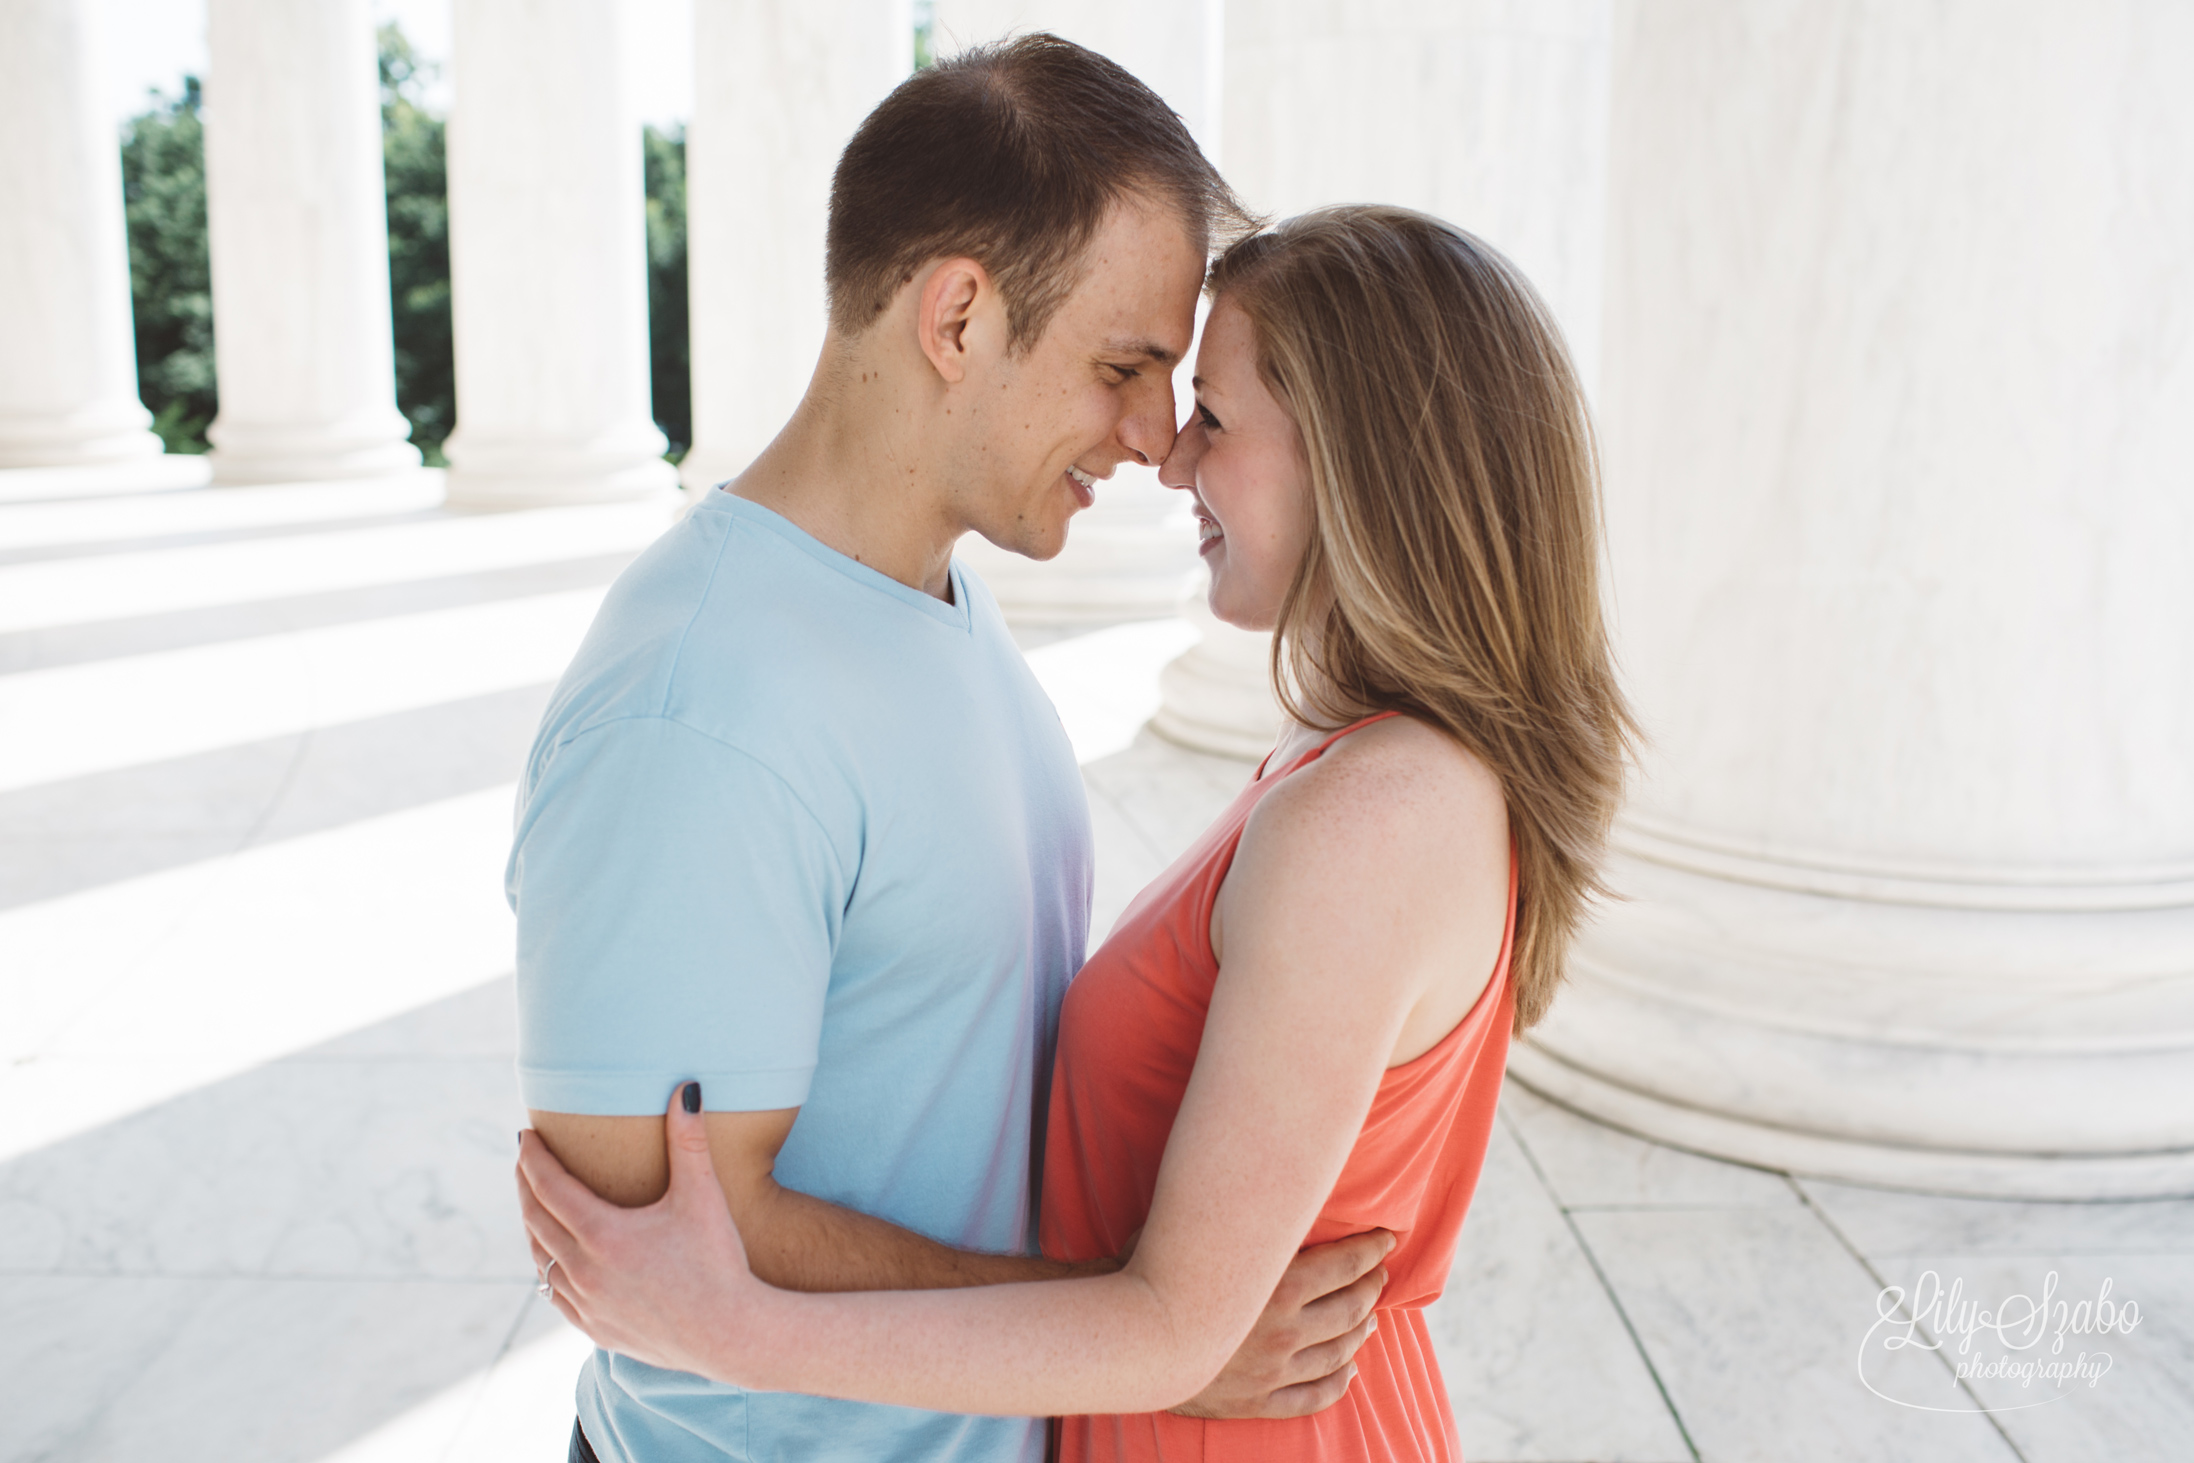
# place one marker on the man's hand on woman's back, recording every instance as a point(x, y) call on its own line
point(1301, 1355)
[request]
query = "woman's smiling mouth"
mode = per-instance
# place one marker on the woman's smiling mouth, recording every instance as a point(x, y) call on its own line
point(1208, 532)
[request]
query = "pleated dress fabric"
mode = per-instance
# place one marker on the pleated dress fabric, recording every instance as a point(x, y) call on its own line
point(1128, 1037)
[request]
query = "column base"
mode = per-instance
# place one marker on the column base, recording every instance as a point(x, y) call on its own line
point(248, 454)
point(546, 477)
point(2044, 1176)
point(1216, 696)
point(233, 470)
point(1981, 1049)
point(705, 467)
point(158, 474)
point(95, 437)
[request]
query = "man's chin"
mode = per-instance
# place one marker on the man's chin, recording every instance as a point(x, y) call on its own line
point(1038, 543)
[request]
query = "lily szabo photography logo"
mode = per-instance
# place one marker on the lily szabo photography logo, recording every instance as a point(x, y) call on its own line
point(1997, 1353)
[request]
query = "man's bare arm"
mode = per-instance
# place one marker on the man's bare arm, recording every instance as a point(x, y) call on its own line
point(794, 1240)
point(1298, 1360)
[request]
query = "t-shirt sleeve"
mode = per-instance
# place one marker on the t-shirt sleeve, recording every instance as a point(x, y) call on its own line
point(677, 908)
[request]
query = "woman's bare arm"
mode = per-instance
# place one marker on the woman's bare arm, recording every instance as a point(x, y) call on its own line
point(1335, 924)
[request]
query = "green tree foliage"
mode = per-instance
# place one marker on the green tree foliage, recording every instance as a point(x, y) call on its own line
point(171, 291)
point(925, 33)
point(164, 188)
point(414, 167)
point(670, 360)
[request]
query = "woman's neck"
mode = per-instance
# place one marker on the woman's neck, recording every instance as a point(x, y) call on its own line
point(1298, 734)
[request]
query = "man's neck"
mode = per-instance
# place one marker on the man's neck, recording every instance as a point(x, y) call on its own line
point(852, 470)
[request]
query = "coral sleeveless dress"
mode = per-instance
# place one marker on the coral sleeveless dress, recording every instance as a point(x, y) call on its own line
point(1127, 1039)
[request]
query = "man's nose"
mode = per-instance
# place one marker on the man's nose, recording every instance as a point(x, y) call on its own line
point(1147, 431)
point(1179, 468)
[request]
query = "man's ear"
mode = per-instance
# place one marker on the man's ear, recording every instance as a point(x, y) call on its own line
point(950, 297)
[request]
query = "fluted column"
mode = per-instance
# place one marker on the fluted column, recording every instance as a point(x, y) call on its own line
point(1132, 554)
point(297, 224)
point(548, 257)
point(759, 157)
point(1489, 114)
point(68, 369)
point(1898, 409)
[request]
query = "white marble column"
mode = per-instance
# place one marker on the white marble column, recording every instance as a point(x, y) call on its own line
point(1487, 113)
point(1172, 46)
point(1898, 409)
point(1132, 554)
point(759, 157)
point(548, 257)
point(1216, 696)
point(68, 369)
point(297, 224)
point(1490, 114)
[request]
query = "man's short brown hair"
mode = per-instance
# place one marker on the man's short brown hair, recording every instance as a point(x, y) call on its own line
point(1010, 155)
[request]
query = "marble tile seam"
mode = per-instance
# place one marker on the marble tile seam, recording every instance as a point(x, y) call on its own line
point(1893, 1225)
point(251, 1370)
point(79, 551)
point(98, 520)
point(391, 912)
point(91, 831)
point(1599, 1273)
point(1903, 1311)
point(1679, 1208)
point(53, 492)
point(1141, 834)
point(49, 595)
point(77, 720)
point(27, 651)
point(478, 1395)
point(275, 1277)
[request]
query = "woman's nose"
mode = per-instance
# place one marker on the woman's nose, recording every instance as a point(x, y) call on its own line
point(1179, 468)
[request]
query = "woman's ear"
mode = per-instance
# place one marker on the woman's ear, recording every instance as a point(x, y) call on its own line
point(951, 295)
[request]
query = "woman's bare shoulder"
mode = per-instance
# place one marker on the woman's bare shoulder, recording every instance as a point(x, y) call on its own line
point(1399, 782)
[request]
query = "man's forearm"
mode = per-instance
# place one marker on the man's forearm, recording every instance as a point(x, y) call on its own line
point(798, 1242)
point(793, 1240)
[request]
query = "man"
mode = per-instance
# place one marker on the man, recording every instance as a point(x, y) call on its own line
point(799, 823)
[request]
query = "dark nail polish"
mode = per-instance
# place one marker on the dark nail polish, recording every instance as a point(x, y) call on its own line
point(521, 1140)
point(693, 1097)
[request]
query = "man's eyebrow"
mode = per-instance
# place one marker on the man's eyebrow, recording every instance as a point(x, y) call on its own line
point(1149, 350)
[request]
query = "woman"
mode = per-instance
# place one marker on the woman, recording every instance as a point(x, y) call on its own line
point(1298, 1031)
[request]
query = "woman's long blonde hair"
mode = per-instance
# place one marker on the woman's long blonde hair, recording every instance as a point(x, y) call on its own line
point(1454, 570)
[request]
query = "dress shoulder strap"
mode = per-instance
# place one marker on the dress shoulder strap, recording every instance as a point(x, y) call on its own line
point(1320, 750)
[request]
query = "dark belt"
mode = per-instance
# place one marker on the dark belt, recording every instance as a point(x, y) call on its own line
point(581, 1450)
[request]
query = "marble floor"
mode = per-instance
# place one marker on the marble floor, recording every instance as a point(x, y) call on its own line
point(256, 1102)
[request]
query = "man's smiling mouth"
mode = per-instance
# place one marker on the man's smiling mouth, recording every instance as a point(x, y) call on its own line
point(1084, 484)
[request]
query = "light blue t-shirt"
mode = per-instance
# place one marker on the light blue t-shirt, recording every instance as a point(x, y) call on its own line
point(817, 840)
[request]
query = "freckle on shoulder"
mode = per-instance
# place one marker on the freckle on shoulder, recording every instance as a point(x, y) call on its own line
point(1414, 760)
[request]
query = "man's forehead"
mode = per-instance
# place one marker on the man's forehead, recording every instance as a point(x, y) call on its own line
point(1145, 270)
point(1142, 347)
